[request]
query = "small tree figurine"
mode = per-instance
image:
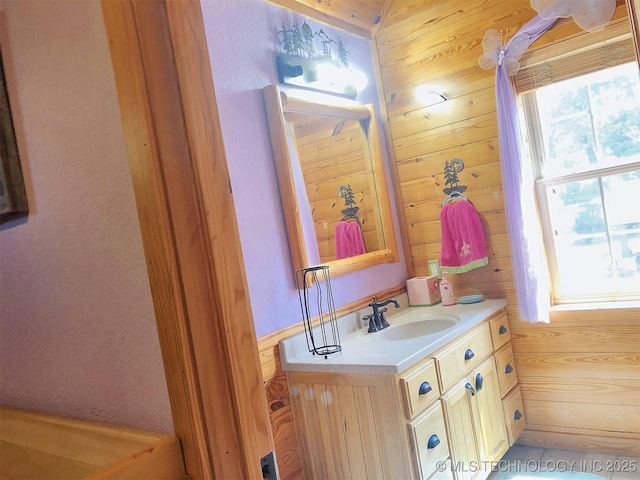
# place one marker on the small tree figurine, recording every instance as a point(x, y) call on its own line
point(287, 44)
point(297, 40)
point(450, 175)
point(343, 55)
point(307, 34)
point(350, 211)
point(451, 179)
point(349, 197)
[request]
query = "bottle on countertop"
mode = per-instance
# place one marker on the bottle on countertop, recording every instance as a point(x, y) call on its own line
point(446, 291)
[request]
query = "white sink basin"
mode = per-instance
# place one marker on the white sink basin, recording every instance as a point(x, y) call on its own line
point(415, 325)
point(394, 349)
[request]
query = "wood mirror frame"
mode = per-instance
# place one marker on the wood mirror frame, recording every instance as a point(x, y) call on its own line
point(278, 103)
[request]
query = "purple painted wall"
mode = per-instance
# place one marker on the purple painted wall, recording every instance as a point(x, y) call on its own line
point(243, 41)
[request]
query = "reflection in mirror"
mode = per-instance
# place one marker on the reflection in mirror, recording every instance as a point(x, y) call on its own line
point(338, 183)
point(332, 184)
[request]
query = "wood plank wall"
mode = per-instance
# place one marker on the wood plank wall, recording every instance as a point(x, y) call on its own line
point(579, 375)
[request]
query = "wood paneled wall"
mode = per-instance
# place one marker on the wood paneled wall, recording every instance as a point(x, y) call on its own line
point(579, 375)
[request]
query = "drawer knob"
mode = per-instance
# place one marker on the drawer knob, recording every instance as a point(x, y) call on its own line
point(508, 368)
point(433, 442)
point(468, 355)
point(517, 415)
point(502, 330)
point(479, 382)
point(469, 387)
point(424, 388)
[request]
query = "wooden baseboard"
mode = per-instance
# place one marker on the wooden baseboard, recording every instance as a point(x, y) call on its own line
point(40, 445)
point(613, 443)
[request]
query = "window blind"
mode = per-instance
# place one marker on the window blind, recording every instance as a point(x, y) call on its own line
point(576, 56)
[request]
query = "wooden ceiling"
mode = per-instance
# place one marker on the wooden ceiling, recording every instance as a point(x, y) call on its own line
point(355, 16)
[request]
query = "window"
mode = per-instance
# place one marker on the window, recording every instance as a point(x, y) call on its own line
point(584, 135)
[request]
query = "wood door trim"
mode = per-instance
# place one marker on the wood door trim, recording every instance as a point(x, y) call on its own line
point(190, 235)
point(632, 6)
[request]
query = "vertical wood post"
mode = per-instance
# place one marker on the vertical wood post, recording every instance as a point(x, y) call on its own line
point(634, 10)
point(190, 235)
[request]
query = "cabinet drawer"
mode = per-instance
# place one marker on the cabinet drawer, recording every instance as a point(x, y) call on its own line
point(506, 369)
point(500, 332)
point(419, 387)
point(429, 440)
point(514, 414)
point(463, 354)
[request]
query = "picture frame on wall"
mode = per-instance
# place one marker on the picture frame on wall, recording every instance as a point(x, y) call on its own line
point(13, 196)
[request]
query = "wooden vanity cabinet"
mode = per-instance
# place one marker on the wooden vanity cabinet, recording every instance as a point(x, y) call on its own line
point(450, 408)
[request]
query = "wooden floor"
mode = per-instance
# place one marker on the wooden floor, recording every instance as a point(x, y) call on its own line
point(524, 459)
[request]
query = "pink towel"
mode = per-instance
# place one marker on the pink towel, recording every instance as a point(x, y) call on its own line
point(349, 241)
point(463, 246)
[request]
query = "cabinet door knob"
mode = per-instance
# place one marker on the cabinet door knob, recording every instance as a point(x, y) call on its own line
point(433, 441)
point(479, 382)
point(470, 388)
point(468, 355)
point(424, 388)
point(508, 368)
point(517, 415)
point(502, 330)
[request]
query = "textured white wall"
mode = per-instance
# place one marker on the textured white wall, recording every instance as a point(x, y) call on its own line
point(77, 328)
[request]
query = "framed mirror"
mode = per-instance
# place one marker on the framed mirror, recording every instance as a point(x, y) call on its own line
point(332, 184)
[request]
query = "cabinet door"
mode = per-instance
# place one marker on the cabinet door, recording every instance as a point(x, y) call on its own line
point(490, 419)
point(475, 422)
point(459, 406)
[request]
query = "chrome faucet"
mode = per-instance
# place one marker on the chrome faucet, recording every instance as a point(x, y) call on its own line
point(376, 319)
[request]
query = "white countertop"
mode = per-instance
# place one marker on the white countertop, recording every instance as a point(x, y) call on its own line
point(364, 352)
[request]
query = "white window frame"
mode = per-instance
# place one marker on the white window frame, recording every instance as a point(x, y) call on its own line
point(529, 114)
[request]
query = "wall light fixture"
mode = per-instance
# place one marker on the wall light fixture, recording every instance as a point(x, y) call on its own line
point(428, 96)
point(321, 75)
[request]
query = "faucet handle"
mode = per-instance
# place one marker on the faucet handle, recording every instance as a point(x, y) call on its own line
point(383, 320)
point(372, 323)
